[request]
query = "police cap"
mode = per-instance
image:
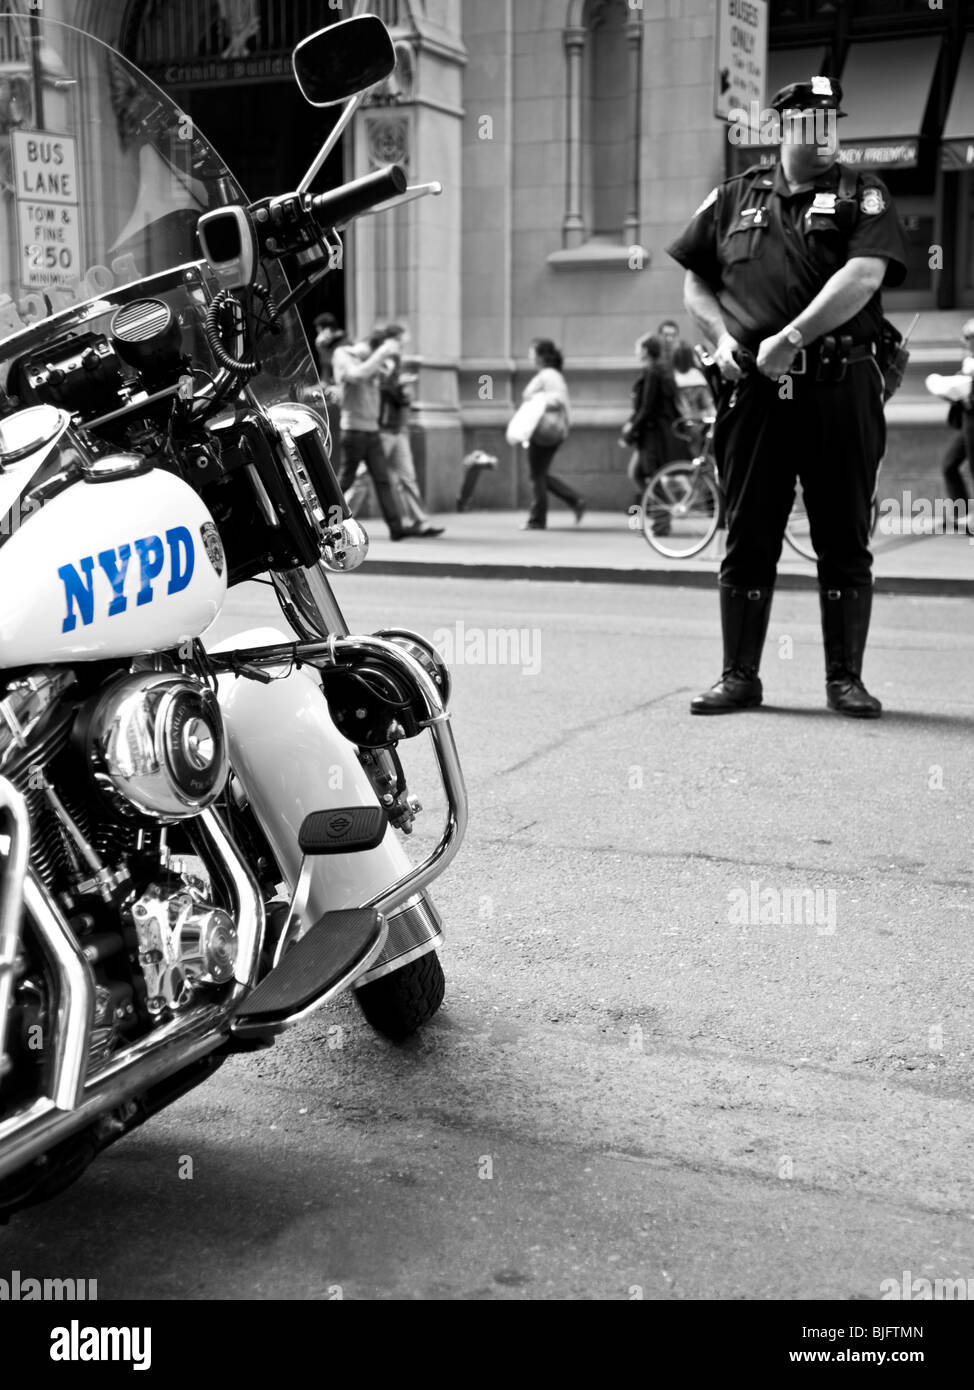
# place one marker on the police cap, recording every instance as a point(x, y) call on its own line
point(817, 94)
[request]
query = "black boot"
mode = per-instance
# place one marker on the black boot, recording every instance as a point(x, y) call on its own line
point(744, 615)
point(845, 625)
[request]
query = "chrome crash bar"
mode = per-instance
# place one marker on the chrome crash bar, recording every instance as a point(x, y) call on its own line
point(335, 651)
point(15, 828)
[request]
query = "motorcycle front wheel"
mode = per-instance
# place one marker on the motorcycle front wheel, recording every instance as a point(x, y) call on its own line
point(398, 1005)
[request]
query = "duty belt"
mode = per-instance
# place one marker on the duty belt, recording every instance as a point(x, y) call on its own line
point(829, 357)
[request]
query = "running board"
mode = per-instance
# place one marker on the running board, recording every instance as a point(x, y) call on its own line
point(319, 966)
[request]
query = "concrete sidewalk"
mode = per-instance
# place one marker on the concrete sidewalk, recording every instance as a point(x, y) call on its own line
point(490, 545)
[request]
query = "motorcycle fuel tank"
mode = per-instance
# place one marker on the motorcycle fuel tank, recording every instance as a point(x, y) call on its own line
point(121, 567)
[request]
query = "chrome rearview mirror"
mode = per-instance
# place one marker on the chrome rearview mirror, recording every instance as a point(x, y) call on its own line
point(343, 60)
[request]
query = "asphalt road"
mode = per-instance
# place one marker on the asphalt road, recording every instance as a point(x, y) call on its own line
point(708, 1030)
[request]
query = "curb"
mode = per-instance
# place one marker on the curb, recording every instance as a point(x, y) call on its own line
point(932, 586)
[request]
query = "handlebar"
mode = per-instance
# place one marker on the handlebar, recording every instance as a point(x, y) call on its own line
point(691, 425)
point(339, 206)
point(295, 222)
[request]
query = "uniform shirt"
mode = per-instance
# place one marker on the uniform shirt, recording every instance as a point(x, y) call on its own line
point(766, 252)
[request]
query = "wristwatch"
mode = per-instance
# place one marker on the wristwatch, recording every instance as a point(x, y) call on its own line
point(794, 336)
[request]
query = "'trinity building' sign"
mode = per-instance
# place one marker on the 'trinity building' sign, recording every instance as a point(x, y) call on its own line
point(203, 43)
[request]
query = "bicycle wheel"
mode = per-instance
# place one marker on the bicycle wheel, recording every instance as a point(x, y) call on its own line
point(798, 533)
point(680, 510)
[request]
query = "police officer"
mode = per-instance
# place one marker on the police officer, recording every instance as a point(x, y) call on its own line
point(784, 270)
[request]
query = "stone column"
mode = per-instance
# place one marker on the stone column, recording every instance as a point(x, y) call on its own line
point(634, 40)
point(573, 226)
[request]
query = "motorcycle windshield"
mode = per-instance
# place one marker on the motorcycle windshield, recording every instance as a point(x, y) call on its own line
point(104, 181)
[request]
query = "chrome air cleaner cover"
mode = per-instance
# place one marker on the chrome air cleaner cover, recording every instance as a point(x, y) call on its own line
point(155, 745)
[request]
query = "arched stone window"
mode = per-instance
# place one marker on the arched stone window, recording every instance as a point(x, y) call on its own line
point(603, 45)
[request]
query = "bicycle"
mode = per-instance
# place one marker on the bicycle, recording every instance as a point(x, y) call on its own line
point(682, 506)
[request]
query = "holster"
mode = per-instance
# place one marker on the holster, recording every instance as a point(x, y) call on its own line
point(833, 358)
point(893, 359)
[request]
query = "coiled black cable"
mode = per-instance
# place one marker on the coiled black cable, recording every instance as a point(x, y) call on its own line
point(240, 367)
point(271, 316)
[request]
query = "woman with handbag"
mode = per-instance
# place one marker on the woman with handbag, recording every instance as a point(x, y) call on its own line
point(549, 434)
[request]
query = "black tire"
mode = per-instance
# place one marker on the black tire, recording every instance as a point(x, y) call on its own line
point(399, 1004)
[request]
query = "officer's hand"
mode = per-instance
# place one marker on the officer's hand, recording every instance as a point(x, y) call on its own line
point(724, 357)
point(775, 356)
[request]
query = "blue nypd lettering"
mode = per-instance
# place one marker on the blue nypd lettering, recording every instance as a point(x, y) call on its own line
point(148, 556)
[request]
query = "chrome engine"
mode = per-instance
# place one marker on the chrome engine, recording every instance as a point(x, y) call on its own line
point(184, 942)
point(113, 778)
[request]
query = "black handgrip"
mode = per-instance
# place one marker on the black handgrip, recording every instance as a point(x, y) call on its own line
point(339, 206)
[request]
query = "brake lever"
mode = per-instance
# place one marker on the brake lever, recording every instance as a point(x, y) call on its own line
point(418, 190)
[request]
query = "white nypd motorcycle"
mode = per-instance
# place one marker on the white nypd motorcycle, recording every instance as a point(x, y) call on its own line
point(199, 844)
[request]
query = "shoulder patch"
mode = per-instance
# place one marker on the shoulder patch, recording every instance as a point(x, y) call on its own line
point(872, 201)
point(710, 199)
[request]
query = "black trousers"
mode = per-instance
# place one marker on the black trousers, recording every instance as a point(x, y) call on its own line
point(650, 456)
point(952, 465)
point(359, 446)
point(967, 435)
point(829, 436)
point(543, 481)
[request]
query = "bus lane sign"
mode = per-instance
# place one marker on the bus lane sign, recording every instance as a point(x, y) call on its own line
point(46, 174)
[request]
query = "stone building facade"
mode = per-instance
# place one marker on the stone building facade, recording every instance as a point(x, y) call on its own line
point(572, 139)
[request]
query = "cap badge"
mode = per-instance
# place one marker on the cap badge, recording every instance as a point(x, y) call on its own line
point(821, 87)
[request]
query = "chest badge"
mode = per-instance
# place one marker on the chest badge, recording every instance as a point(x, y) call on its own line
point(872, 201)
point(823, 202)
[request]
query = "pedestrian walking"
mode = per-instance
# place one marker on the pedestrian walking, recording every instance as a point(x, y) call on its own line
point(961, 447)
point(694, 397)
point(655, 407)
point(693, 394)
point(358, 369)
point(784, 274)
point(550, 434)
point(395, 401)
point(328, 335)
point(669, 335)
